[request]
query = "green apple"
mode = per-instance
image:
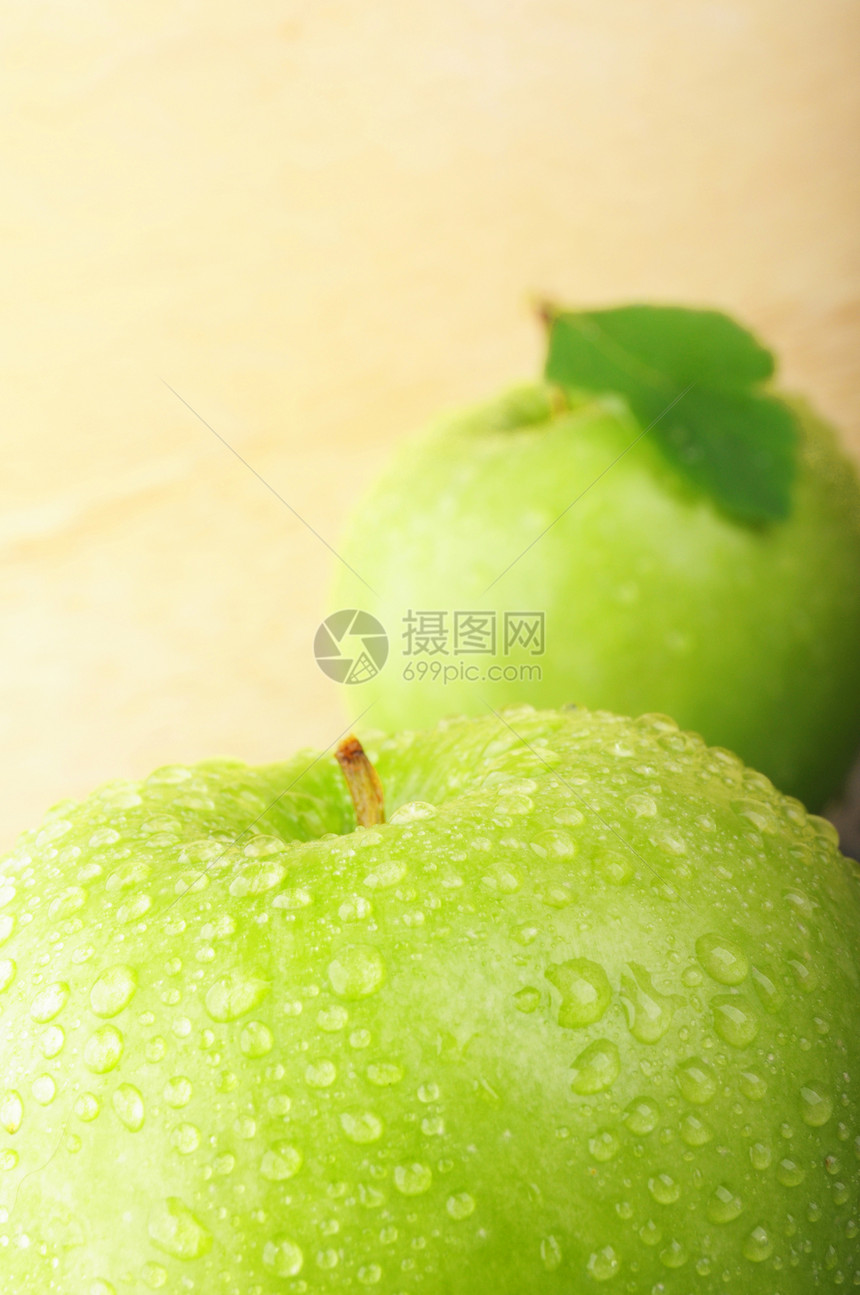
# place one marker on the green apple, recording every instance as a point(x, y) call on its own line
point(583, 1011)
point(715, 579)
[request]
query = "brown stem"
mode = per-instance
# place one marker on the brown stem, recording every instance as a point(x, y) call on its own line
point(362, 781)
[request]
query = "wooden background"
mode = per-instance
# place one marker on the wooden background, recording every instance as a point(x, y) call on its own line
point(320, 222)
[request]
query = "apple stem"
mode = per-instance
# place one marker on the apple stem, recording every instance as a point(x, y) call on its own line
point(362, 781)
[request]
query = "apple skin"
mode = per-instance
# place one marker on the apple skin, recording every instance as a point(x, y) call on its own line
point(583, 1012)
point(655, 600)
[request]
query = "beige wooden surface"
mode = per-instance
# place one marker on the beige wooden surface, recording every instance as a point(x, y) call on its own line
point(320, 222)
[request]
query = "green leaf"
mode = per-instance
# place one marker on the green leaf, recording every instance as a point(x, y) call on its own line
point(693, 379)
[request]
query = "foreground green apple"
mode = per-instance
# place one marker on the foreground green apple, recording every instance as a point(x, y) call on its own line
point(583, 1011)
point(713, 575)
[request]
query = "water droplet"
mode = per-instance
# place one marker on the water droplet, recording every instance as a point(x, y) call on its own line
point(361, 1126)
point(596, 1068)
point(178, 1091)
point(67, 902)
point(696, 1081)
point(604, 1145)
point(724, 1205)
point(412, 811)
point(527, 999)
point(460, 1206)
point(11, 1111)
point(804, 973)
point(358, 970)
point(789, 1173)
point(650, 1233)
point(695, 1132)
point(551, 1253)
point(133, 909)
point(8, 1161)
point(101, 1287)
point(816, 1107)
point(185, 1138)
point(722, 959)
point(674, 1256)
point(649, 1013)
point(128, 1106)
point(103, 1049)
point(641, 806)
point(258, 877)
point(256, 1040)
point(664, 1189)
point(332, 1018)
point(758, 1246)
point(281, 1161)
point(369, 1274)
point(44, 1090)
point(386, 874)
point(603, 1264)
point(556, 845)
point(113, 991)
point(752, 1085)
point(283, 1257)
point(584, 989)
point(642, 1116)
point(52, 1042)
point(87, 1107)
point(155, 1049)
point(383, 1073)
point(320, 1074)
point(155, 1276)
point(734, 1020)
point(233, 995)
point(413, 1179)
point(617, 868)
point(760, 1156)
point(175, 1230)
point(49, 1002)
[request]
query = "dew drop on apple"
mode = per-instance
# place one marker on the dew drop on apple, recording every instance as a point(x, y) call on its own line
point(52, 1041)
point(357, 971)
point(49, 1002)
point(724, 1205)
point(413, 1179)
point(320, 1074)
point(412, 811)
point(113, 991)
point(604, 1146)
point(7, 973)
point(527, 999)
point(551, 1253)
point(173, 1228)
point(752, 1085)
point(674, 1255)
point(585, 991)
point(617, 868)
point(256, 1040)
point(103, 1049)
point(734, 1020)
point(68, 902)
point(596, 1068)
point(722, 959)
point(280, 1161)
point(789, 1172)
point(155, 1049)
point(155, 1276)
point(87, 1107)
point(694, 1131)
point(331, 1019)
point(650, 1233)
point(128, 1106)
point(603, 1264)
point(361, 1126)
point(696, 1081)
point(664, 1188)
point(178, 1091)
point(44, 1089)
point(369, 1274)
point(757, 1246)
point(11, 1111)
point(233, 995)
point(649, 1012)
point(642, 1116)
point(101, 1287)
point(185, 1138)
point(816, 1107)
point(8, 1160)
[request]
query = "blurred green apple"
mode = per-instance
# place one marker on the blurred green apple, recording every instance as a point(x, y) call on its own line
point(583, 1011)
point(692, 541)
